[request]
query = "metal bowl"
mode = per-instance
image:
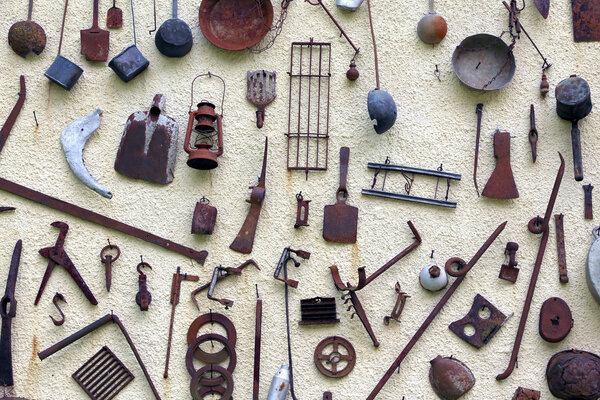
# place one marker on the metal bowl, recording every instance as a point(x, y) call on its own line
point(235, 24)
point(484, 62)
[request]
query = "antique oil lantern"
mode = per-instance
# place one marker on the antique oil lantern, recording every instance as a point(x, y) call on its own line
point(207, 126)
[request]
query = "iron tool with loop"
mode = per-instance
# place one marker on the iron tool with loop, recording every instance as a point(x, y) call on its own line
point(143, 298)
point(208, 145)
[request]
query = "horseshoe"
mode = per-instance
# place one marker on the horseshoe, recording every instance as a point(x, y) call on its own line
point(189, 357)
point(201, 355)
point(198, 392)
point(335, 357)
point(57, 297)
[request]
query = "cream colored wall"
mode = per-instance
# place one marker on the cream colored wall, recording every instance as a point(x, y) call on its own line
point(436, 124)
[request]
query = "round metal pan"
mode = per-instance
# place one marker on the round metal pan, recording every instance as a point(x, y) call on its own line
point(235, 24)
point(484, 62)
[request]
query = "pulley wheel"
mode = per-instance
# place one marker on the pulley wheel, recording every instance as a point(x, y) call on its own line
point(221, 355)
point(198, 391)
point(327, 362)
point(189, 357)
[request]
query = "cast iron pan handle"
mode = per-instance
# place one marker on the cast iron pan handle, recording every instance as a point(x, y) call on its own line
point(576, 141)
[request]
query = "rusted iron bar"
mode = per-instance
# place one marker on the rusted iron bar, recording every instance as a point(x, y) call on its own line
point(560, 248)
point(362, 316)
point(8, 310)
point(91, 328)
point(55, 299)
point(398, 307)
point(589, 211)
point(435, 311)
point(320, 2)
point(536, 225)
point(257, 342)
point(479, 112)
point(12, 117)
point(91, 216)
point(533, 133)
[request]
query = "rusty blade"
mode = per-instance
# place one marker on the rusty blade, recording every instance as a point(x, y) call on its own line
point(543, 7)
point(95, 42)
point(12, 117)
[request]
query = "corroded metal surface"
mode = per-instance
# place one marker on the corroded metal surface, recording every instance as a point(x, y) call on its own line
point(398, 307)
point(8, 310)
point(588, 210)
point(143, 297)
point(174, 37)
point(205, 217)
point(129, 63)
point(27, 36)
point(450, 378)
point(12, 117)
point(235, 24)
point(58, 297)
point(560, 248)
point(501, 184)
point(261, 91)
point(198, 391)
point(211, 318)
point(586, 20)
point(526, 394)
point(543, 7)
point(337, 363)
point(95, 42)
point(191, 354)
point(485, 328)
point(107, 260)
point(318, 310)
point(533, 133)
point(510, 272)
point(556, 320)
point(574, 375)
point(114, 17)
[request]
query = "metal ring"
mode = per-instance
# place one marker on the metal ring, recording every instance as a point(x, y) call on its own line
point(536, 225)
point(201, 355)
point(110, 246)
point(189, 357)
point(198, 391)
point(321, 358)
point(453, 272)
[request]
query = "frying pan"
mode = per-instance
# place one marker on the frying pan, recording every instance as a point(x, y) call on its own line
point(484, 62)
point(235, 24)
point(574, 102)
point(174, 37)
point(27, 36)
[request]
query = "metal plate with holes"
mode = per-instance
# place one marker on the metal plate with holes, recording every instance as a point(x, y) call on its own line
point(103, 376)
point(485, 328)
point(318, 310)
point(328, 362)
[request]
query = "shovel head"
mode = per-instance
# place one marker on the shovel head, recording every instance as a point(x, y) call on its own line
point(340, 223)
point(95, 43)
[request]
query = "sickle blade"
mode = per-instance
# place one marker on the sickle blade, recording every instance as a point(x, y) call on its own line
point(543, 7)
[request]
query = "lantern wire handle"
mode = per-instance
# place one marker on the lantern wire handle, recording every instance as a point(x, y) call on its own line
point(210, 75)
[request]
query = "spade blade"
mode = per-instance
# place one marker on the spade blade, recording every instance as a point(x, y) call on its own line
point(95, 42)
point(543, 7)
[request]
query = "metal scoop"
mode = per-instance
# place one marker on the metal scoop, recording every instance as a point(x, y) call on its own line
point(174, 37)
point(27, 36)
point(114, 17)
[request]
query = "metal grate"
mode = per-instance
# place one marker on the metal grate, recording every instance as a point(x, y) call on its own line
point(103, 376)
point(308, 118)
point(319, 310)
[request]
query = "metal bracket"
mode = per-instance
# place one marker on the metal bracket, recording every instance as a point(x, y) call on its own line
point(485, 328)
point(224, 272)
point(57, 297)
point(398, 307)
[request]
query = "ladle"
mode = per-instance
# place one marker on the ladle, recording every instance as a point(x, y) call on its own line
point(27, 36)
point(174, 37)
point(62, 71)
point(381, 105)
point(432, 27)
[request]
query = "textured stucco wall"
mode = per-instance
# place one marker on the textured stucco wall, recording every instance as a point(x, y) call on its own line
point(436, 124)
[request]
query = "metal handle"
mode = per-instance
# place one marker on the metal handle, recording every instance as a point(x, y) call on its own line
point(62, 28)
point(577, 159)
point(30, 10)
point(342, 192)
point(431, 7)
point(95, 26)
point(174, 8)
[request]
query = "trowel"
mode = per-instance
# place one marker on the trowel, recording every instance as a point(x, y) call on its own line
point(148, 148)
point(95, 42)
point(501, 184)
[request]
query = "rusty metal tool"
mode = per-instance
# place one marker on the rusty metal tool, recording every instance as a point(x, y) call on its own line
point(556, 320)
point(340, 220)
point(302, 211)
point(501, 184)
point(221, 270)
point(398, 307)
point(205, 217)
point(103, 376)
point(8, 310)
point(450, 378)
point(589, 210)
point(27, 36)
point(143, 298)
point(573, 375)
point(479, 112)
point(95, 42)
point(199, 391)
point(526, 394)
point(220, 273)
point(357, 309)
point(244, 240)
point(560, 248)
point(510, 272)
point(318, 311)
point(257, 343)
point(286, 257)
point(114, 16)
point(308, 109)
point(261, 91)
point(586, 20)
point(543, 7)
point(533, 133)
point(107, 260)
point(212, 318)
point(148, 148)
point(58, 256)
point(404, 170)
point(58, 297)
point(537, 225)
point(462, 273)
point(12, 117)
point(342, 353)
point(174, 37)
point(485, 328)
point(327, 396)
point(91, 216)
point(192, 353)
point(432, 27)
point(91, 328)
point(178, 277)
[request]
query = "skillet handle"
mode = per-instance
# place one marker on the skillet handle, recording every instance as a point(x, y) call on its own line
point(342, 192)
point(577, 159)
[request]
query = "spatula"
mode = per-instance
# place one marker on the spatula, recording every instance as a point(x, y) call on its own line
point(114, 17)
point(340, 221)
point(95, 41)
point(261, 92)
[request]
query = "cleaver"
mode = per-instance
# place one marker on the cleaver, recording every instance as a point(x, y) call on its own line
point(340, 221)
